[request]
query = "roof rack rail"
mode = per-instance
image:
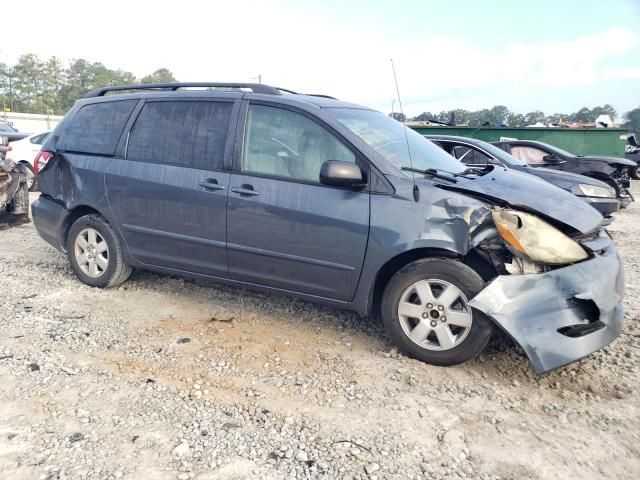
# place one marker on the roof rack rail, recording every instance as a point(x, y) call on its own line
point(255, 87)
point(320, 95)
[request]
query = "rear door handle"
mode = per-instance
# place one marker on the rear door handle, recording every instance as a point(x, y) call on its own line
point(211, 184)
point(245, 190)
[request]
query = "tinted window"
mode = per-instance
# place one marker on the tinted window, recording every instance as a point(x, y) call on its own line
point(288, 144)
point(191, 134)
point(470, 156)
point(39, 139)
point(96, 128)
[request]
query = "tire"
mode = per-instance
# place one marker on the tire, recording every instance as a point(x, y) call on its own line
point(469, 332)
point(101, 266)
point(635, 173)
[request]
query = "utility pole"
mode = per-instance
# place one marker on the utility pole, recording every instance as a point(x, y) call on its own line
point(259, 78)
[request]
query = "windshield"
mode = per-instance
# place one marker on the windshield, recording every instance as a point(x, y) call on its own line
point(387, 137)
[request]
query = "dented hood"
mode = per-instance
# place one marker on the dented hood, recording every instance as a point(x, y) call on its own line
point(526, 192)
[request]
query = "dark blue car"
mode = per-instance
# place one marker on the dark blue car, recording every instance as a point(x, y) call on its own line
point(332, 202)
point(474, 152)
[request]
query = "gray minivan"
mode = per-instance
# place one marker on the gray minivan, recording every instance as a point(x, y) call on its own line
point(335, 203)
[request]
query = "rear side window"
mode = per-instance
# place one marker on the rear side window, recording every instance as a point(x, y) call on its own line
point(190, 134)
point(97, 127)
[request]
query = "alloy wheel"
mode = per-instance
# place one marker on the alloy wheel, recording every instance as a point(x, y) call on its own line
point(435, 314)
point(91, 252)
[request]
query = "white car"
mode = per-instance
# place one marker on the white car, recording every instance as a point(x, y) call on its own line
point(25, 151)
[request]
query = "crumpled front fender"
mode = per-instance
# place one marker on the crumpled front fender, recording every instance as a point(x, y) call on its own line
point(562, 315)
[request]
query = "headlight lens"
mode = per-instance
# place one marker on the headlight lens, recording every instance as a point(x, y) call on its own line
point(596, 191)
point(534, 239)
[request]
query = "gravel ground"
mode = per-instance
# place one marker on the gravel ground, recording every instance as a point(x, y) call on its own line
point(166, 378)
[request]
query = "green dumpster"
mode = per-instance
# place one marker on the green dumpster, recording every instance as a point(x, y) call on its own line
point(579, 141)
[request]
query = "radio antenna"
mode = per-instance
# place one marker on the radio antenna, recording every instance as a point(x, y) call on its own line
point(406, 137)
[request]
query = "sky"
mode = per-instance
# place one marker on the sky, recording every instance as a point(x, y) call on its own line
point(554, 56)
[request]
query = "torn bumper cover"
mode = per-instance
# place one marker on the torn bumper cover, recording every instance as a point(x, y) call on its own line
point(562, 315)
point(14, 193)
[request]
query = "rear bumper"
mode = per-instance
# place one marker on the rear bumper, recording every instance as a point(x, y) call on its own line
point(559, 316)
point(48, 217)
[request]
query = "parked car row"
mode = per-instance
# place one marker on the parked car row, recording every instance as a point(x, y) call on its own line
point(477, 153)
point(611, 170)
point(332, 202)
point(10, 133)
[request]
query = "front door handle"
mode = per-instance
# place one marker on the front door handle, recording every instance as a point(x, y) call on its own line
point(245, 189)
point(211, 184)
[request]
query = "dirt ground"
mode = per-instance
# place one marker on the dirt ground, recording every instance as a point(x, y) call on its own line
point(170, 378)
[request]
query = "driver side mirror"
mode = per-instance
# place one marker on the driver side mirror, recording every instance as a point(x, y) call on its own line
point(551, 158)
point(336, 173)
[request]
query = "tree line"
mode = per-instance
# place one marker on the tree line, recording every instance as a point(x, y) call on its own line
point(502, 116)
point(35, 85)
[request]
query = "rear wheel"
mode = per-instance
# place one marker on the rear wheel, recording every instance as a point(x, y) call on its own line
point(426, 312)
point(95, 253)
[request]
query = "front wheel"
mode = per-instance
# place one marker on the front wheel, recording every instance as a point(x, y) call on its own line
point(635, 172)
point(95, 253)
point(426, 312)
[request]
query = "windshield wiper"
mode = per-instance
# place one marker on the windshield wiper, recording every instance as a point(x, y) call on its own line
point(433, 172)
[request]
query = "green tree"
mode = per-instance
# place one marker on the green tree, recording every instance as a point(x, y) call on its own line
point(499, 115)
point(162, 75)
point(424, 117)
point(54, 78)
point(401, 117)
point(534, 117)
point(606, 109)
point(515, 119)
point(632, 120)
point(582, 115)
point(28, 84)
point(6, 86)
point(479, 118)
point(459, 116)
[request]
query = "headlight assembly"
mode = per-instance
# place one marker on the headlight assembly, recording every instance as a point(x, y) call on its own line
point(596, 191)
point(534, 239)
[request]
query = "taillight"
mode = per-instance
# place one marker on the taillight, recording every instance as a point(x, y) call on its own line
point(40, 161)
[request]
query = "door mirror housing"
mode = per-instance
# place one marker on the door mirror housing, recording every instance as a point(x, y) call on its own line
point(336, 173)
point(551, 158)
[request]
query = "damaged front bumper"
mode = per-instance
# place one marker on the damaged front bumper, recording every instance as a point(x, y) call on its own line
point(14, 193)
point(562, 315)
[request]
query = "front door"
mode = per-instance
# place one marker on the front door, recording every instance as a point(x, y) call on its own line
point(285, 229)
point(534, 157)
point(169, 194)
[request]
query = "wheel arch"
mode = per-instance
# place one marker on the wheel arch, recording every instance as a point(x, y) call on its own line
point(74, 214)
point(473, 259)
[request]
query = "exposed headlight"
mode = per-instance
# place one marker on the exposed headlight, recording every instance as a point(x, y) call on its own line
point(534, 239)
point(596, 191)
